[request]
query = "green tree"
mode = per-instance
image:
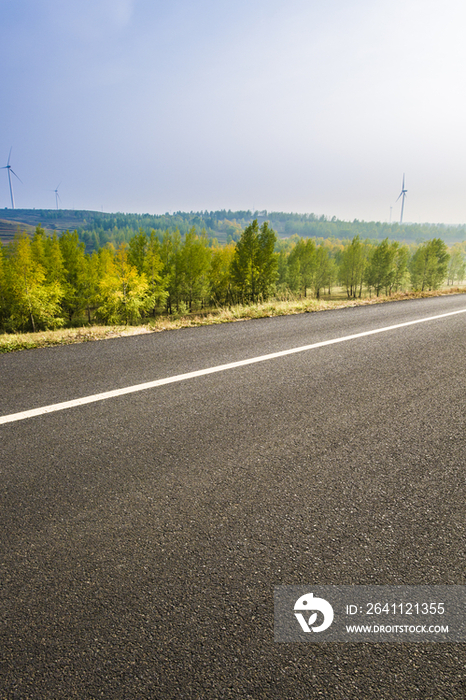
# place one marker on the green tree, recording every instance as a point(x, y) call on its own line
point(283, 279)
point(54, 267)
point(293, 277)
point(194, 263)
point(245, 268)
point(332, 273)
point(152, 267)
point(254, 265)
point(400, 275)
point(302, 265)
point(137, 250)
point(89, 276)
point(38, 246)
point(381, 267)
point(170, 253)
point(429, 265)
point(268, 262)
point(322, 269)
point(457, 265)
point(352, 267)
point(74, 277)
point(309, 263)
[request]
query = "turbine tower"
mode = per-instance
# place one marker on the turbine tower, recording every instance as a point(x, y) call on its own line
point(402, 194)
point(10, 171)
point(57, 196)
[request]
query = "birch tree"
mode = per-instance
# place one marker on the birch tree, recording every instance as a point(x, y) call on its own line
point(254, 265)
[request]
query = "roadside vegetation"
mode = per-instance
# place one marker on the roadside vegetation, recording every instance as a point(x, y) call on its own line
point(10, 342)
point(53, 292)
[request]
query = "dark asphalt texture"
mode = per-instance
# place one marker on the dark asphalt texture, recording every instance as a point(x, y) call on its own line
point(142, 536)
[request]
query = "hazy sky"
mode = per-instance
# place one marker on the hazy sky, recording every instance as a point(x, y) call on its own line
point(296, 105)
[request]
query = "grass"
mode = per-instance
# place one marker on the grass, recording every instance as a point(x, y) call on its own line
point(10, 342)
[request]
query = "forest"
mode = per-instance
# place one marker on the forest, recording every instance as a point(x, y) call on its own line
point(96, 229)
point(51, 280)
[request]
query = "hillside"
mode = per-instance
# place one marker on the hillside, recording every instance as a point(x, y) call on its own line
point(98, 228)
point(50, 219)
point(9, 228)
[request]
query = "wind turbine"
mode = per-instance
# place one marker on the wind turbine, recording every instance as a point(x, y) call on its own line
point(57, 196)
point(10, 170)
point(402, 194)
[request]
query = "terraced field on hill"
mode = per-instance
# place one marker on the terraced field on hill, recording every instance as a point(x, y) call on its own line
point(9, 228)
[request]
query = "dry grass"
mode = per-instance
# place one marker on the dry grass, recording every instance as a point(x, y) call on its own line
point(10, 342)
point(65, 336)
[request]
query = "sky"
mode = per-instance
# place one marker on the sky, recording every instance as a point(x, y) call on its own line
point(154, 106)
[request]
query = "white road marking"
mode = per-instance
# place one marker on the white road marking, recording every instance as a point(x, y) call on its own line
point(210, 370)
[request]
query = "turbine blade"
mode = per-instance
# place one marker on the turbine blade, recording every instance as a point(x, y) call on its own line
point(9, 156)
point(11, 170)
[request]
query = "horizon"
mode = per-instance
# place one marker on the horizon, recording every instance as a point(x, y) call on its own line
point(252, 214)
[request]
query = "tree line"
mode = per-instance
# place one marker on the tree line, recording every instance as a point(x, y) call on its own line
point(51, 281)
point(96, 229)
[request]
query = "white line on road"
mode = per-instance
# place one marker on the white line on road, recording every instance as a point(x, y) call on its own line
point(210, 370)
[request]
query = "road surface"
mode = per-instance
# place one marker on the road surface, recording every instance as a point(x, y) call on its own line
point(143, 535)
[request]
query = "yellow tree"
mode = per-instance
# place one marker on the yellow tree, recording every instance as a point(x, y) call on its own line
point(89, 274)
point(152, 267)
point(123, 292)
point(34, 300)
point(3, 290)
point(219, 274)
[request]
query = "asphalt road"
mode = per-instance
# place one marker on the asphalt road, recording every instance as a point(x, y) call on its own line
point(142, 536)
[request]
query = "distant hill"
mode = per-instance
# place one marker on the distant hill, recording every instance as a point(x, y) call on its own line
point(98, 228)
point(9, 228)
point(50, 219)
